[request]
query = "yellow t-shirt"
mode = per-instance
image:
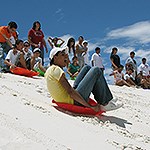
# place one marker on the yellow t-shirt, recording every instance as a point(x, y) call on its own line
point(58, 93)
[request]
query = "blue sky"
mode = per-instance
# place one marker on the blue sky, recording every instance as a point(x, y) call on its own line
point(105, 23)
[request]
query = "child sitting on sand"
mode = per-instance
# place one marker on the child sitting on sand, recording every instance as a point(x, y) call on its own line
point(119, 77)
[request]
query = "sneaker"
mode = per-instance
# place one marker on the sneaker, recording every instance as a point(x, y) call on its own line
point(115, 99)
point(112, 106)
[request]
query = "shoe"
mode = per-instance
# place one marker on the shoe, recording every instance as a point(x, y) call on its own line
point(115, 99)
point(112, 106)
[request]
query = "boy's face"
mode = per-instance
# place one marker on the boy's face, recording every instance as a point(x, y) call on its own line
point(11, 30)
point(120, 69)
point(130, 72)
point(85, 44)
point(37, 54)
point(61, 59)
point(20, 46)
point(98, 51)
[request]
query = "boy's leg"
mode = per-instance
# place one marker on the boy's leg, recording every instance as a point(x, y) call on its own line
point(95, 82)
point(81, 75)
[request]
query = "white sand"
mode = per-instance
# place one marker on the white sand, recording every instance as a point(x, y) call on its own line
point(29, 122)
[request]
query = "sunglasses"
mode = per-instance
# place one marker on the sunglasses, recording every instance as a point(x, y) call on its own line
point(26, 45)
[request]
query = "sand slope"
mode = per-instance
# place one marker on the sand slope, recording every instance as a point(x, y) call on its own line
point(29, 122)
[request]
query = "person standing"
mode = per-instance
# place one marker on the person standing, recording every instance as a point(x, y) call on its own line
point(144, 70)
point(71, 48)
point(131, 63)
point(6, 32)
point(85, 54)
point(115, 59)
point(96, 59)
point(36, 39)
point(55, 42)
point(80, 50)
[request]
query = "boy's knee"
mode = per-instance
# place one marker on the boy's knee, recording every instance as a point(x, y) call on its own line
point(97, 70)
point(87, 67)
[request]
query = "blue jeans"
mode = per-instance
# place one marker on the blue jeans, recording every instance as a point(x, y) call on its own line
point(92, 80)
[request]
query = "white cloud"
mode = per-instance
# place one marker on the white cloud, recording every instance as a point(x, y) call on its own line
point(58, 10)
point(139, 31)
point(59, 14)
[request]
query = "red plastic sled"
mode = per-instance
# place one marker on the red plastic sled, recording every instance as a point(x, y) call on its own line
point(23, 72)
point(78, 109)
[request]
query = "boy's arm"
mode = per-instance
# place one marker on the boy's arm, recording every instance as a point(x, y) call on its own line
point(74, 94)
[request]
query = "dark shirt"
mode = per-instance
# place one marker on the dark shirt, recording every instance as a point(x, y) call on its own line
point(115, 59)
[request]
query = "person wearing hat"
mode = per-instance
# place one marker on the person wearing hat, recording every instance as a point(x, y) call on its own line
point(24, 58)
point(88, 80)
point(36, 61)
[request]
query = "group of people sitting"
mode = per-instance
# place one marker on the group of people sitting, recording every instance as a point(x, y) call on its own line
point(138, 76)
point(16, 52)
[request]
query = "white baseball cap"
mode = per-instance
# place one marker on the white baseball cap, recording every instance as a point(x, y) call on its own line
point(55, 50)
point(36, 50)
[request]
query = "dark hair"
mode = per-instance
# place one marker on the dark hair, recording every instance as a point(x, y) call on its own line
point(143, 59)
point(17, 43)
point(97, 48)
point(34, 25)
point(55, 38)
point(80, 37)
point(73, 46)
point(131, 69)
point(132, 53)
point(121, 66)
point(75, 57)
point(12, 24)
point(114, 49)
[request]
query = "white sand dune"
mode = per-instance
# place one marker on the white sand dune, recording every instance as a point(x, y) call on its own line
point(29, 122)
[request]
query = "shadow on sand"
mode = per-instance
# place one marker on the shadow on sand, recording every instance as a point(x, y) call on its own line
point(101, 118)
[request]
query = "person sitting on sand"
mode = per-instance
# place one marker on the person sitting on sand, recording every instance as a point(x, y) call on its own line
point(36, 62)
point(129, 78)
point(119, 77)
point(88, 80)
point(24, 58)
point(12, 55)
point(73, 68)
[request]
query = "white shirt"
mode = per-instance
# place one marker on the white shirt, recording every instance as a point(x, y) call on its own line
point(12, 57)
point(127, 76)
point(118, 76)
point(37, 62)
point(97, 60)
point(145, 69)
point(12, 40)
point(27, 54)
point(130, 61)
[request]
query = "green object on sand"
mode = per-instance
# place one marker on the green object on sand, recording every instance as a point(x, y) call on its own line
point(41, 73)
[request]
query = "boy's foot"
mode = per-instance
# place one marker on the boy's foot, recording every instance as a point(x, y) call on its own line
point(112, 105)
